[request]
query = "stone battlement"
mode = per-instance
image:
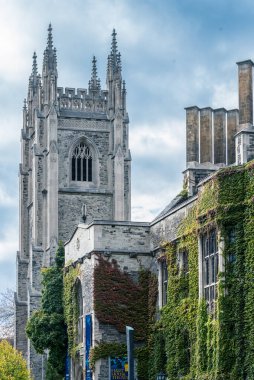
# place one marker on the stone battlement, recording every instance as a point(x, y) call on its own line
point(82, 99)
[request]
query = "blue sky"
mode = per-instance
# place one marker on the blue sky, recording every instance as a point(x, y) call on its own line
point(175, 53)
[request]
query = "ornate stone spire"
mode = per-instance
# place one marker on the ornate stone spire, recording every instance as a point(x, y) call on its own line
point(114, 59)
point(49, 60)
point(49, 70)
point(94, 83)
point(35, 70)
point(114, 43)
point(34, 79)
point(50, 38)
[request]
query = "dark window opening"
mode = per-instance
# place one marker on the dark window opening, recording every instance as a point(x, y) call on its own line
point(185, 263)
point(81, 164)
point(164, 280)
point(73, 169)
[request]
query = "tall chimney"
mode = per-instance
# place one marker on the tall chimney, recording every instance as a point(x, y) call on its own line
point(245, 92)
point(192, 134)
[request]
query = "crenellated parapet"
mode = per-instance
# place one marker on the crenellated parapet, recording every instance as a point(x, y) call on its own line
point(82, 100)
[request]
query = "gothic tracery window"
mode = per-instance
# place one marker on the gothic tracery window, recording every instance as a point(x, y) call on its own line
point(81, 163)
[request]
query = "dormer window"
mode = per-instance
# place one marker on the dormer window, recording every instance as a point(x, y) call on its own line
point(81, 163)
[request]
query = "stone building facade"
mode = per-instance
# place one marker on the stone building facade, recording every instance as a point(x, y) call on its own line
point(212, 143)
point(75, 178)
point(75, 166)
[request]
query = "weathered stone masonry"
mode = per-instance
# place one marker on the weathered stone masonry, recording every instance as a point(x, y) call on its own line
point(55, 122)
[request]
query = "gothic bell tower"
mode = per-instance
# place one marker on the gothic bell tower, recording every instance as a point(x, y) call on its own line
point(75, 168)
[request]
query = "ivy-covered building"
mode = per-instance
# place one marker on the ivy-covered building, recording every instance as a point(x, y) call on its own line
point(197, 254)
point(184, 282)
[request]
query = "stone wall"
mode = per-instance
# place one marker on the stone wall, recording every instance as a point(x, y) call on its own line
point(165, 229)
point(98, 205)
point(128, 244)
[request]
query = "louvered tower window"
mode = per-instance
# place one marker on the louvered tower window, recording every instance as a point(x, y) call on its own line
point(82, 163)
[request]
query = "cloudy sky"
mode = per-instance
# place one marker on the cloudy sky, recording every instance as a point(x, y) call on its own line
point(175, 53)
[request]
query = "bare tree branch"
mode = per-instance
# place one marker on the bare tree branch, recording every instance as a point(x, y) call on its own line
point(7, 313)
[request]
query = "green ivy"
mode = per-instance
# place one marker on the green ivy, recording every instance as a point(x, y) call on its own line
point(46, 327)
point(71, 308)
point(199, 345)
point(106, 349)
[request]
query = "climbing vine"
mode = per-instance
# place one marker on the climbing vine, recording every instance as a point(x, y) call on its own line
point(71, 308)
point(46, 327)
point(120, 300)
point(220, 345)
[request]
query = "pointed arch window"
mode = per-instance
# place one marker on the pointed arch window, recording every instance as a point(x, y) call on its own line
point(82, 163)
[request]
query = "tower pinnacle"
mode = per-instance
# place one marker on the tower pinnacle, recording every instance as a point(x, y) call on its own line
point(114, 59)
point(94, 69)
point(34, 70)
point(50, 38)
point(50, 61)
point(34, 79)
point(94, 83)
point(49, 70)
point(114, 43)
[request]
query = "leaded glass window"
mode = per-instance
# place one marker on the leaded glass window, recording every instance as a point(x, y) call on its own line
point(81, 163)
point(210, 267)
point(183, 261)
point(164, 280)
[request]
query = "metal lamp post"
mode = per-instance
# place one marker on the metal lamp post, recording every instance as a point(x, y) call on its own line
point(161, 376)
point(130, 351)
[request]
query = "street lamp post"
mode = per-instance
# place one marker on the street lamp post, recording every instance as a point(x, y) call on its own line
point(130, 349)
point(161, 376)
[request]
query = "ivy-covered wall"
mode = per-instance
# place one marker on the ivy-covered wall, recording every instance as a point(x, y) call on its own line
point(120, 300)
point(219, 346)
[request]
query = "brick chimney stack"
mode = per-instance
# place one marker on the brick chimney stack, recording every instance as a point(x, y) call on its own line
point(245, 93)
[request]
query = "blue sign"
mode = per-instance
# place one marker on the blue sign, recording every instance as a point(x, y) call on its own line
point(67, 368)
point(88, 338)
point(119, 368)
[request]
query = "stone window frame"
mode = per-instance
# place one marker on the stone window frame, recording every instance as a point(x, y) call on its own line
point(94, 183)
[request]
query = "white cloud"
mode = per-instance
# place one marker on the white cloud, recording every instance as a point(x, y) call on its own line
point(10, 129)
point(164, 138)
point(7, 200)
point(16, 40)
point(9, 244)
point(225, 95)
point(145, 207)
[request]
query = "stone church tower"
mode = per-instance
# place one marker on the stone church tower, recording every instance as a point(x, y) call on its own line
point(75, 166)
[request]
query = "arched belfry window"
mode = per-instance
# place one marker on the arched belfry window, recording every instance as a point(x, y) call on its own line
point(82, 163)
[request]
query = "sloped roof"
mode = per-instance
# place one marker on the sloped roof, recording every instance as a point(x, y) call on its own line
point(175, 202)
